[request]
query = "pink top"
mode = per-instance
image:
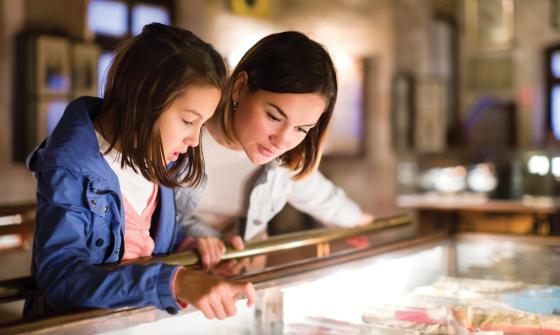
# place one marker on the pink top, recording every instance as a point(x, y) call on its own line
point(137, 239)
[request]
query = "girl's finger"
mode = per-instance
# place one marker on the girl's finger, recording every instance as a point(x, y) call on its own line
point(206, 310)
point(218, 308)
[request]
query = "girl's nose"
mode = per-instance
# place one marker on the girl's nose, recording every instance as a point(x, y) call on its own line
point(192, 140)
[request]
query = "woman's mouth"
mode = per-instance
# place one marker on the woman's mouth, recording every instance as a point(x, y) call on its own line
point(265, 151)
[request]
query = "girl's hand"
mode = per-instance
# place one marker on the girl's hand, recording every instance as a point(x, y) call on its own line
point(213, 296)
point(211, 250)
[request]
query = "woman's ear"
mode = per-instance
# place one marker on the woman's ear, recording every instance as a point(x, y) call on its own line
point(239, 85)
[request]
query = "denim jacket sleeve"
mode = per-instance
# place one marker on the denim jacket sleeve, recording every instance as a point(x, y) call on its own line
point(186, 201)
point(320, 198)
point(63, 250)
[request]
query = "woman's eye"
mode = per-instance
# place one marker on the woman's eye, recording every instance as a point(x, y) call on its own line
point(188, 123)
point(272, 117)
point(303, 130)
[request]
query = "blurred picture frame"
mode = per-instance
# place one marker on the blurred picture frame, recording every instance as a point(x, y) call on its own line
point(52, 65)
point(430, 122)
point(490, 23)
point(85, 61)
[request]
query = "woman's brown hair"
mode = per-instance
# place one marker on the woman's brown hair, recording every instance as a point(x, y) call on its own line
point(287, 62)
point(147, 74)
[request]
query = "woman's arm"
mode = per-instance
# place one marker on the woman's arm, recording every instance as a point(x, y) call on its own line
point(329, 204)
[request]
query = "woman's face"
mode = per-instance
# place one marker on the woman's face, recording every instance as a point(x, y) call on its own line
point(269, 124)
point(180, 124)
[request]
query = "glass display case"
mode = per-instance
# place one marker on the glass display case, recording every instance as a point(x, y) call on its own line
point(384, 278)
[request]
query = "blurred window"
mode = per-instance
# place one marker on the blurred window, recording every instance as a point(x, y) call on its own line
point(144, 14)
point(105, 60)
point(113, 21)
point(555, 64)
point(108, 18)
point(552, 76)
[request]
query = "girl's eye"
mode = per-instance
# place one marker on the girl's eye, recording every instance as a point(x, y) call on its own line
point(272, 117)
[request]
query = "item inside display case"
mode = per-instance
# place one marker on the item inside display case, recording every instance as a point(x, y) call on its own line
point(463, 306)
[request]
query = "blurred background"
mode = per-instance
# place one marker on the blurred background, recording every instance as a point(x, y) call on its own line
point(444, 105)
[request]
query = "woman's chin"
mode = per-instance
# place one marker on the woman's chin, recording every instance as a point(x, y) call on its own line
point(259, 159)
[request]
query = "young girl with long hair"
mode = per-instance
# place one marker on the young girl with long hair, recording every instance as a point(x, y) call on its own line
point(105, 177)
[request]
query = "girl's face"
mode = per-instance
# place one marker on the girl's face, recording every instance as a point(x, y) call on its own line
point(269, 124)
point(180, 124)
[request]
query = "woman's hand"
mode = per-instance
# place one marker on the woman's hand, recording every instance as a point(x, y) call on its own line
point(211, 250)
point(365, 219)
point(213, 296)
point(236, 242)
point(239, 266)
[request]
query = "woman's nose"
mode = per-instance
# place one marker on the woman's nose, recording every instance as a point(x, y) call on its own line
point(281, 139)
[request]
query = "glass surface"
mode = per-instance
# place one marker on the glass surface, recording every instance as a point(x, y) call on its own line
point(471, 284)
point(512, 261)
point(499, 287)
point(108, 17)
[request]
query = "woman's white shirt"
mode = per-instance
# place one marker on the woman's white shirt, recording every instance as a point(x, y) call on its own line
point(231, 176)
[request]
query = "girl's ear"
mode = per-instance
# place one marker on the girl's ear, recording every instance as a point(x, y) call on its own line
point(239, 85)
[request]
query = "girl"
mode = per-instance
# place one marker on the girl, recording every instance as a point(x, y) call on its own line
point(103, 183)
point(263, 146)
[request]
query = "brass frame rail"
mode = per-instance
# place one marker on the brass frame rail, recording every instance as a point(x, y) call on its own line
point(24, 287)
point(82, 322)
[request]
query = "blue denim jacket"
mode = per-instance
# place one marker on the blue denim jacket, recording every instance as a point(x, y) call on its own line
point(80, 224)
point(314, 195)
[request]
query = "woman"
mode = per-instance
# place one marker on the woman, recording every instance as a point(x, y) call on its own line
point(263, 146)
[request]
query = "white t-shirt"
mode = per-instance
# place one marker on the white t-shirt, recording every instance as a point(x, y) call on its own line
point(231, 176)
point(134, 187)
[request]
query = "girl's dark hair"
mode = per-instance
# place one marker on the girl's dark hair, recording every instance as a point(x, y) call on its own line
point(147, 74)
point(287, 62)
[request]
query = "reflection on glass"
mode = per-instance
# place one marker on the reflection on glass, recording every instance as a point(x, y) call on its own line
point(359, 289)
point(102, 68)
point(108, 17)
point(145, 14)
point(555, 64)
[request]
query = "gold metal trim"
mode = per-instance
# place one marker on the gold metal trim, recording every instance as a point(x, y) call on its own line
point(20, 288)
